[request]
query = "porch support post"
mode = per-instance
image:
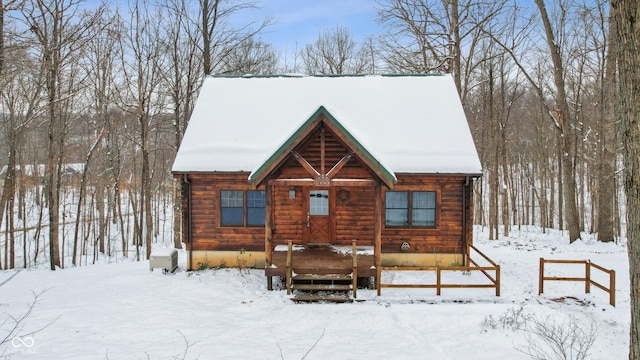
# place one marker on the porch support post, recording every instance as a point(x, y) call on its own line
point(467, 218)
point(268, 243)
point(465, 244)
point(377, 237)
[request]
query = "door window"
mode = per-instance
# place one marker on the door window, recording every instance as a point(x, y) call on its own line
point(319, 202)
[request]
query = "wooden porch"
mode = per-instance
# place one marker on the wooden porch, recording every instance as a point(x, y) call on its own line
point(321, 259)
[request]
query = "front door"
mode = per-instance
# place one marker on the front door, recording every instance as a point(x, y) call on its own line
point(318, 223)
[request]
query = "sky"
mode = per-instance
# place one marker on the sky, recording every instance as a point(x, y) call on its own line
point(302, 20)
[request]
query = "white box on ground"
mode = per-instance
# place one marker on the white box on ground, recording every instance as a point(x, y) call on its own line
point(166, 259)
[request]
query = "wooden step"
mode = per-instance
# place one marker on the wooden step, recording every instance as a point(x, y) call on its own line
point(323, 277)
point(317, 297)
point(323, 271)
point(321, 287)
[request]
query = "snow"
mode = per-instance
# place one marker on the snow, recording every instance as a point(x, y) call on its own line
point(40, 169)
point(163, 252)
point(124, 311)
point(410, 123)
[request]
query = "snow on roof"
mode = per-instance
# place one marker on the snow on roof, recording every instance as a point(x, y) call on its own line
point(412, 123)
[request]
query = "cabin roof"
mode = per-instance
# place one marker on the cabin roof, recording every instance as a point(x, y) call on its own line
point(408, 123)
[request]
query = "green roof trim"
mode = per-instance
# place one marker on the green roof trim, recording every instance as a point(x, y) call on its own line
point(280, 154)
point(250, 76)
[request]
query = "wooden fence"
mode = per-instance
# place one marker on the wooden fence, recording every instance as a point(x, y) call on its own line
point(588, 281)
point(472, 266)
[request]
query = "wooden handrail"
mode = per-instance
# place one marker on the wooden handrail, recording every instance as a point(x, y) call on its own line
point(482, 254)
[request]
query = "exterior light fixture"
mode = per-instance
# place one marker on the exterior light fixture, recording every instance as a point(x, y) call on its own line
point(292, 192)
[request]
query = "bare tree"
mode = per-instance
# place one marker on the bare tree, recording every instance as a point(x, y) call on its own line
point(99, 69)
point(558, 110)
point(435, 35)
point(336, 52)
point(219, 39)
point(142, 71)
point(60, 32)
point(8, 188)
point(564, 118)
point(252, 56)
point(626, 13)
point(181, 80)
point(19, 98)
point(607, 139)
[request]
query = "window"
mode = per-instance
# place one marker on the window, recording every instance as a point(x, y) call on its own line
point(396, 213)
point(319, 202)
point(421, 203)
point(235, 212)
point(256, 202)
point(423, 209)
point(231, 206)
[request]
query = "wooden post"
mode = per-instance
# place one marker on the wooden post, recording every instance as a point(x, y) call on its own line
point(541, 277)
point(587, 276)
point(498, 280)
point(378, 277)
point(268, 256)
point(612, 287)
point(438, 281)
point(355, 267)
point(288, 272)
point(377, 251)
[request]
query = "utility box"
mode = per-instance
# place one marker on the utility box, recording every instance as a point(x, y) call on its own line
point(165, 259)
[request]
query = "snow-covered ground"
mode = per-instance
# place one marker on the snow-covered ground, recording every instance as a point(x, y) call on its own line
point(124, 311)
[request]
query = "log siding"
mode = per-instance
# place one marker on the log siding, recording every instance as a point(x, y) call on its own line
point(356, 204)
point(353, 214)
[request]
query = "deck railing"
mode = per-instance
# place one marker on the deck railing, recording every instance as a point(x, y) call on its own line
point(472, 265)
point(588, 281)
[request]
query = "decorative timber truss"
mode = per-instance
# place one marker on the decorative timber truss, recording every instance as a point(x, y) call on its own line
point(321, 177)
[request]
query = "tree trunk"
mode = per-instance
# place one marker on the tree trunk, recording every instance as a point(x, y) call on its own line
point(177, 215)
point(627, 13)
point(565, 122)
point(506, 223)
point(207, 28)
point(53, 178)
point(494, 178)
point(9, 190)
point(456, 55)
point(102, 219)
point(146, 187)
point(607, 163)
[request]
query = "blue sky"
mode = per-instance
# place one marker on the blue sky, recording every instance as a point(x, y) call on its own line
point(303, 20)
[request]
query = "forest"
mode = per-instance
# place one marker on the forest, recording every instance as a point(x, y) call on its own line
point(95, 98)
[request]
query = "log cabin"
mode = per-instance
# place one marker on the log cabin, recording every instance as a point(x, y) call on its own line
point(382, 166)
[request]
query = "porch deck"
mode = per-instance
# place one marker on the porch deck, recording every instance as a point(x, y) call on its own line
point(322, 259)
